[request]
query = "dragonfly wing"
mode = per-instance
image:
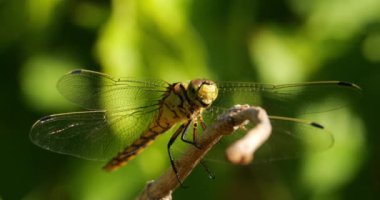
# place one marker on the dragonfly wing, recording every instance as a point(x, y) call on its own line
point(287, 99)
point(93, 90)
point(94, 135)
point(293, 138)
point(290, 138)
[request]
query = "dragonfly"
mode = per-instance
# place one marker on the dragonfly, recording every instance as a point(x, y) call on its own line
point(124, 115)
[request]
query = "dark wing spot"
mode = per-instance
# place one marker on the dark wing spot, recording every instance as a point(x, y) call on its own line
point(315, 124)
point(348, 84)
point(45, 118)
point(77, 71)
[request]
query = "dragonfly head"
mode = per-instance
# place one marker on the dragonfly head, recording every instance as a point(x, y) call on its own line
point(202, 92)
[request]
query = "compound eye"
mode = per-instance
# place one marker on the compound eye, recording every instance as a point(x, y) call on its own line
point(193, 89)
point(196, 83)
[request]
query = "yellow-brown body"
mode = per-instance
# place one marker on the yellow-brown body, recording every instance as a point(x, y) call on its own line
point(182, 103)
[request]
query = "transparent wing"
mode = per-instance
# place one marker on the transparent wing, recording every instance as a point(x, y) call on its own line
point(286, 99)
point(93, 90)
point(290, 138)
point(94, 135)
point(293, 138)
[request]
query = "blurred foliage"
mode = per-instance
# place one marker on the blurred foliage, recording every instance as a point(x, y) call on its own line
point(245, 40)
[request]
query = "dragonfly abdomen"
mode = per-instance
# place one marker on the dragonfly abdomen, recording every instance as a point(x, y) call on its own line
point(135, 148)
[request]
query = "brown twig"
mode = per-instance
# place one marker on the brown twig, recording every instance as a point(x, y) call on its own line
point(241, 152)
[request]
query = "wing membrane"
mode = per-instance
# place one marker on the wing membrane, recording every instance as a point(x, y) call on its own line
point(93, 135)
point(293, 138)
point(94, 90)
point(290, 138)
point(286, 99)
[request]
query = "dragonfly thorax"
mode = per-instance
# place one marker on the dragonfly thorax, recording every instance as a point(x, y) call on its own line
point(185, 100)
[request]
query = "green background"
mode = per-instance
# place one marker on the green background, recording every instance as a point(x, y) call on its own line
point(245, 40)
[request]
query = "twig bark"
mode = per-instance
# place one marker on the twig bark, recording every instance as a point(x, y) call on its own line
point(241, 152)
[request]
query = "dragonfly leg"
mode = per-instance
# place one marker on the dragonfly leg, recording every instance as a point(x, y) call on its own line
point(203, 124)
point(182, 128)
point(195, 132)
point(209, 173)
point(194, 142)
